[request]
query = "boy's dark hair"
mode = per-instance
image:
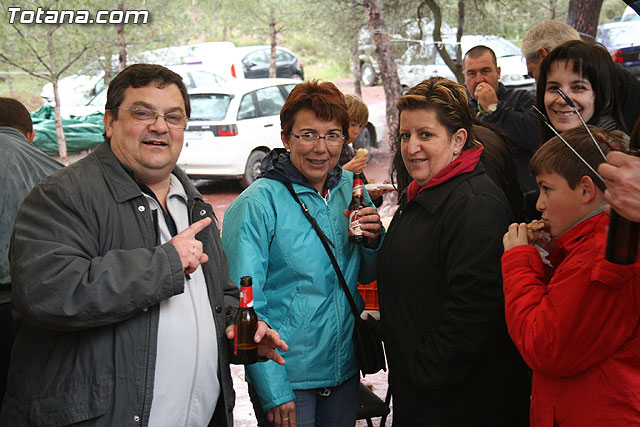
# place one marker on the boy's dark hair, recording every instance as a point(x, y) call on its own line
point(14, 114)
point(141, 75)
point(555, 157)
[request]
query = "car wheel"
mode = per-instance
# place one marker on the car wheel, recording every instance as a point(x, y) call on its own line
point(297, 76)
point(363, 140)
point(252, 170)
point(368, 74)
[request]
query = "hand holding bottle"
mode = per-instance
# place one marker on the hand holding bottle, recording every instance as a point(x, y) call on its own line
point(252, 337)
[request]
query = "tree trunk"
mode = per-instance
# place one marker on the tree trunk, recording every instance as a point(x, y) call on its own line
point(355, 62)
point(62, 140)
point(274, 42)
point(583, 15)
point(453, 64)
point(108, 75)
point(12, 94)
point(459, 75)
point(122, 49)
point(386, 63)
point(122, 44)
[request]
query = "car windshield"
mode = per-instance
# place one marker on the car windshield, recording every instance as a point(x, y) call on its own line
point(623, 36)
point(210, 106)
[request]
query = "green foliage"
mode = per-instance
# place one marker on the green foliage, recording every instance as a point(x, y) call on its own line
point(321, 32)
point(327, 71)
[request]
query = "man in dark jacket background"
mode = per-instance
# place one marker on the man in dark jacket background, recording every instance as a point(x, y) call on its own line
point(120, 281)
point(21, 167)
point(508, 109)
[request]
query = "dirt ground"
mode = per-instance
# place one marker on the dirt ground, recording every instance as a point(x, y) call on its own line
point(243, 415)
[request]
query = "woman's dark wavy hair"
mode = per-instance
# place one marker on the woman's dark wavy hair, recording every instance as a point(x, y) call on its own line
point(324, 99)
point(449, 101)
point(592, 61)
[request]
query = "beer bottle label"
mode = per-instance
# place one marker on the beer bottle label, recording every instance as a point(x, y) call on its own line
point(358, 188)
point(354, 224)
point(246, 296)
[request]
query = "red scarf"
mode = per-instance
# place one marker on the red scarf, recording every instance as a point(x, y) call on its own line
point(463, 164)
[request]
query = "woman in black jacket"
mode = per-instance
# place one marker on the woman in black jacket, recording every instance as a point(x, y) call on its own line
point(450, 358)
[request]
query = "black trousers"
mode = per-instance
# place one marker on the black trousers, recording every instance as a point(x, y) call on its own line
point(7, 335)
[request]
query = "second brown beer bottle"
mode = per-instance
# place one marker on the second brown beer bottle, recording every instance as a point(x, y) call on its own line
point(357, 203)
point(245, 349)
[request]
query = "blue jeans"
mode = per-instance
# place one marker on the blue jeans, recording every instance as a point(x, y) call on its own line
point(331, 407)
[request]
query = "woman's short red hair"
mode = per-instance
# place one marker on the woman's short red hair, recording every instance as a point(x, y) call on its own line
point(324, 99)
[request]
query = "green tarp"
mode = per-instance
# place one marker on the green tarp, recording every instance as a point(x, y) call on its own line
point(81, 132)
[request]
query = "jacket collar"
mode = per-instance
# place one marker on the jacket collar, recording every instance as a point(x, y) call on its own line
point(432, 198)
point(8, 130)
point(121, 181)
point(570, 238)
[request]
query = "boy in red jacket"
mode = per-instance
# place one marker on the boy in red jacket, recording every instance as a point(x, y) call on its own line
point(575, 317)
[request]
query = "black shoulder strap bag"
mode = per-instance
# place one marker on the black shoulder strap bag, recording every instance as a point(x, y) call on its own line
point(366, 333)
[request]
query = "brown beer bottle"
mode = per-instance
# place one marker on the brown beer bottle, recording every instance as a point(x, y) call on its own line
point(622, 240)
point(245, 349)
point(357, 203)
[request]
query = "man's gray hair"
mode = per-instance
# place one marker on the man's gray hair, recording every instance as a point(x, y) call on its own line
point(547, 35)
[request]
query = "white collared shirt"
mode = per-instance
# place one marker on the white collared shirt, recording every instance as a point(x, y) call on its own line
point(186, 386)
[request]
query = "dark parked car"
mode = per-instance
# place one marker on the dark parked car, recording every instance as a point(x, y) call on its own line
point(255, 62)
point(628, 57)
point(623, 43)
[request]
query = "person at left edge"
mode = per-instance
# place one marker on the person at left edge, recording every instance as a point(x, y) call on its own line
point(295, 287)
point(120, 282)
point(21, 167)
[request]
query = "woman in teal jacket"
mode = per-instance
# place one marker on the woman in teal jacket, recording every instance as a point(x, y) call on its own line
point(296, 289)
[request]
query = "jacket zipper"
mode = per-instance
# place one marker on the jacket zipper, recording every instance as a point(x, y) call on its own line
point(340, 343)
point(149, 320)
point(193, 305)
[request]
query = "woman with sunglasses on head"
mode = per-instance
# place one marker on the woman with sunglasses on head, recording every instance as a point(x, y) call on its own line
point(451, 362)
point(583, 73)
point(295, 286)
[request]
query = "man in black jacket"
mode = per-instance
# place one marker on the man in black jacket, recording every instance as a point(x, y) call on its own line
point(120, 281)
point(508, 109)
